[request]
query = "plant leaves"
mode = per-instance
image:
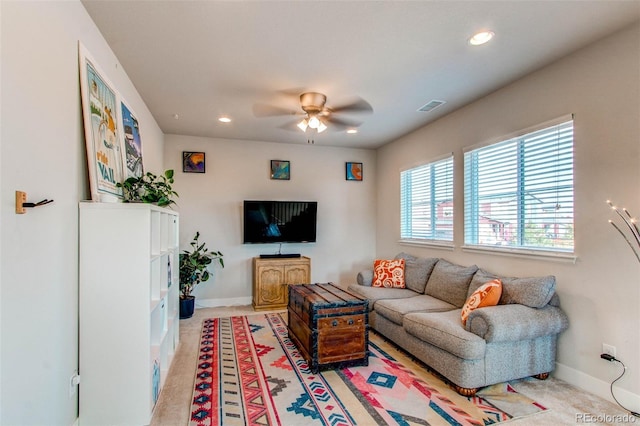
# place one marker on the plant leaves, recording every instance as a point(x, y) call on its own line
point(194, 263)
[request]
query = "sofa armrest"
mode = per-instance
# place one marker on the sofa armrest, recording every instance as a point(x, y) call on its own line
point(365, 277)
point(503, 323)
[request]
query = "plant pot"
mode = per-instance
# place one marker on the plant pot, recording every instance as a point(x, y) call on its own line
point(187, 305)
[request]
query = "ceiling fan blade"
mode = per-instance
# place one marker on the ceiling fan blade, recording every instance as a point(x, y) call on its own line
point(291, 126)
point(293, 92)
point(358, 105)
point(264, 110)
point(341, 123)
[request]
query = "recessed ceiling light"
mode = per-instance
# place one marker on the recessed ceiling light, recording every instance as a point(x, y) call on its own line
point(481, 37)
point(352, 131)
point(224, 119)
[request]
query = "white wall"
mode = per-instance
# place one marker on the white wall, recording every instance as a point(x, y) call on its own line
point(601, 292)
point(237, 170)
point(43, 153)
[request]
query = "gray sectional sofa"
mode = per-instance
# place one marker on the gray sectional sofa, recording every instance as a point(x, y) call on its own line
point(515, 339)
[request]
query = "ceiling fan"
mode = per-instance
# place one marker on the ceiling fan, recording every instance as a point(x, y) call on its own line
point(316, 116)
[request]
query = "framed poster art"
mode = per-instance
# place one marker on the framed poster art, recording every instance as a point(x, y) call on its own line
point(193, 162)
point(101, 127)
point(132, 142)
point(353, 171)
point(280, 170)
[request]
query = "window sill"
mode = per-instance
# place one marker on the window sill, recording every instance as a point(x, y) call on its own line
point(524, 253)
point(442, 245)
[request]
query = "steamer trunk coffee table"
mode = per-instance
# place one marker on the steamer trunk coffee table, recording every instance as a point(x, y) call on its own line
point(328, 325)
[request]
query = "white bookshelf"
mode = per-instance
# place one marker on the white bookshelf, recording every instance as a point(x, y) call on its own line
point(129, 292)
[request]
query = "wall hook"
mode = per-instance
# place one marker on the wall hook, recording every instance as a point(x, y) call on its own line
point(21, 202)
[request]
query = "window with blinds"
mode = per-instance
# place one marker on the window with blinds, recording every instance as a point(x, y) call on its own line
point(519, 193)
point(426, 201)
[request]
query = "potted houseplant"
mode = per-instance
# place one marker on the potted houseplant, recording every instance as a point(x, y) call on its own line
point(149, 188)
point(193, 271)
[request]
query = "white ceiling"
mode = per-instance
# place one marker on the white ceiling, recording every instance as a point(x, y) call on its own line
point(203, 59)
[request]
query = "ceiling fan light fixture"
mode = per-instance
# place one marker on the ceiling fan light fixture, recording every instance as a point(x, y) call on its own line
point(314, 122)
point(321, 127)
point(303, 125)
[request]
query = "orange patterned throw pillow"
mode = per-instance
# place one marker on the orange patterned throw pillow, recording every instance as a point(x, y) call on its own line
point(388, 273)
point(487, 294)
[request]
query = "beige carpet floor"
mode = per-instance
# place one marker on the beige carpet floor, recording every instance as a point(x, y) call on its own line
point(564, 401)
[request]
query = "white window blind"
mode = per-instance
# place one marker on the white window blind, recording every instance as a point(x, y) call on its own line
point(426, 201)
point(519, 192)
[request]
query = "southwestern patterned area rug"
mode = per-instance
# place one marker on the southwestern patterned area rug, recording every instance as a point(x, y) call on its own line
point(250, 373)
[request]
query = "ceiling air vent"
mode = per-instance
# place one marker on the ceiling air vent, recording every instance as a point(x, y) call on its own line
point(431, 105)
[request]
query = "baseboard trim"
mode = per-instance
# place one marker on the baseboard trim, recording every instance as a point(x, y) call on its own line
point(597, 387)
point(215, 303)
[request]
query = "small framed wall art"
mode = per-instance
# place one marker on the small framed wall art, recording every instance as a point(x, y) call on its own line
point(193, 162)
point(280, 170)
point(353, 171)
point(132, 142)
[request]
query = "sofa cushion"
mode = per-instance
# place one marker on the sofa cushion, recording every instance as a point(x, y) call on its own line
point(444, 330)
point(395, 309)
point(480, 278)
point(417, 270)
point(373, 294)
point(365, 277)
point(388, 273)
point(450, 282)
point(487, 294)
point(534, 292)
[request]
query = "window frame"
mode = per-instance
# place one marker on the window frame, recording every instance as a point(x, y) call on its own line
point(469, 208)
point(433, 202)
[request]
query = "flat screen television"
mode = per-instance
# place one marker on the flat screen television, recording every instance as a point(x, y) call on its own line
point(279, 221)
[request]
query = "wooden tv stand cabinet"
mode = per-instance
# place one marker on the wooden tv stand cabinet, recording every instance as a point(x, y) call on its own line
point(272, 277)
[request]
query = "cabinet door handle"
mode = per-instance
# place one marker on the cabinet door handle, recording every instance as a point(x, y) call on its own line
point(334, 323)
point(351, 322)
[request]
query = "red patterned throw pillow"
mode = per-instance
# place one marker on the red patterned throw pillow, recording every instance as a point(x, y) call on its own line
point(487, 294)
point(388, 273)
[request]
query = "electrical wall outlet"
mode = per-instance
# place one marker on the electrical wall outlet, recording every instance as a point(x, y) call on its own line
point(608, 349)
